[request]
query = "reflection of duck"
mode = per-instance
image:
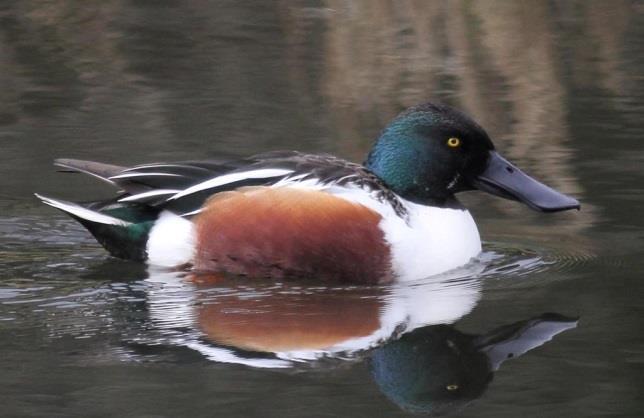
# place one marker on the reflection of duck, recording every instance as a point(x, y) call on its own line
point(395, 218)
point(295, 323)
point(417, 359)
point(437, 369)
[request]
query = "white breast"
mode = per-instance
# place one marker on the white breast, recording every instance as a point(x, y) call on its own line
point(430, 241)
point(434, 241)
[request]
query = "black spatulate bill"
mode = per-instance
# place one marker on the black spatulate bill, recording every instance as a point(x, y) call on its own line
point(502, 178)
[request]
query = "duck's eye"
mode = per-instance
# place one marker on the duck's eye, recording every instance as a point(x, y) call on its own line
point(453, 142)
point(451, 387)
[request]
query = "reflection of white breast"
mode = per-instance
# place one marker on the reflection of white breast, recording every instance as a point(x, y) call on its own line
point(442, 299)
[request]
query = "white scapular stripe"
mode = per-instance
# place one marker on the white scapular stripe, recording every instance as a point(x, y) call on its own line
point(143, 167)
point(294, 181)
point(232, 178)
point(145, 195)
point(82, 212)
point(171, 241)
point(305, 184)
point(193, 212)
point(146, 174)
point(288, 181)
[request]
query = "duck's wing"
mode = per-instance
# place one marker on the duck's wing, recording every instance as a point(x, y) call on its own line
point(182, 187)
point(289, 168)
point(269, 169)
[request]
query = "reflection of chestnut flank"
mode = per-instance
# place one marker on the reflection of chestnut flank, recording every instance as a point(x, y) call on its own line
point(285, 322)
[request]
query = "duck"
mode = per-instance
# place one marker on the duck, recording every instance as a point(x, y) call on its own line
point(288, 214)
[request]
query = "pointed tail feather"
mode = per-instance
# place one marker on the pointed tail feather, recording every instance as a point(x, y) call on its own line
point(79, 212)
point(123, 239)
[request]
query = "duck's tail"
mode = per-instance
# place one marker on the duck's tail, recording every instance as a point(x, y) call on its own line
point(123, 229)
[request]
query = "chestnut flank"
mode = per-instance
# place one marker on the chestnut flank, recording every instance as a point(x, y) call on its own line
point(289, 232)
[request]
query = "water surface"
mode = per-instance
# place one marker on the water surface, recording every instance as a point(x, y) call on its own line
point(547, 322)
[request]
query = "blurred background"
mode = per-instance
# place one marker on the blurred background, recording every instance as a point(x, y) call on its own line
point(559, 86)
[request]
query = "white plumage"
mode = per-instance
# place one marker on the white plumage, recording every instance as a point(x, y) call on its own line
point(82, 212)
point(171, 241)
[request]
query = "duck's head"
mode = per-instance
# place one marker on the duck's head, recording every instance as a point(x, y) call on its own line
point(430, 152)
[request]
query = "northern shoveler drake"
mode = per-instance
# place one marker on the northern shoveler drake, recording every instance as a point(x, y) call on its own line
point(289, 214)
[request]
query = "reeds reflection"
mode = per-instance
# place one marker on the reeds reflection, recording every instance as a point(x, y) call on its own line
point(191, 79)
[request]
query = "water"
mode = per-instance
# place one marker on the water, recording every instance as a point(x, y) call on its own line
point(557, 85)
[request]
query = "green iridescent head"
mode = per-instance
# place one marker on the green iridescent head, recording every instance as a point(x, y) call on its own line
point(430, 152)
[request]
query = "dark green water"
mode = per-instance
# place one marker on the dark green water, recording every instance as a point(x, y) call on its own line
point(558, 85)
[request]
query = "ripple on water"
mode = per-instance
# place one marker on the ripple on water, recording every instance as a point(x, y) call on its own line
point(512, 260)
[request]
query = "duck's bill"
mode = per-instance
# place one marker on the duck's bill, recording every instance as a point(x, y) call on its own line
point(504, 179)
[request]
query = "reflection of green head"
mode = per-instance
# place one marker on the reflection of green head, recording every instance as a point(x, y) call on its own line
point(437, 369)
point(431, 370)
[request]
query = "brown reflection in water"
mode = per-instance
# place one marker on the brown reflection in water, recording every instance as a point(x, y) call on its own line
point(604, 24)
point(519, 42)
point(380, 57)
point(289, 320)
point(55, 47)
point(287, 73)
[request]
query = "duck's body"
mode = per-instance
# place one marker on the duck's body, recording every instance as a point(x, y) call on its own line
point(288, 214)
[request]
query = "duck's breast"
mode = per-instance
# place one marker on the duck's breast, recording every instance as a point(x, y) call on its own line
point(432, 241)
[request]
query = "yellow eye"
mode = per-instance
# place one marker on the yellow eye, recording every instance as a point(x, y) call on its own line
point(451, 387)
point(453, 142)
